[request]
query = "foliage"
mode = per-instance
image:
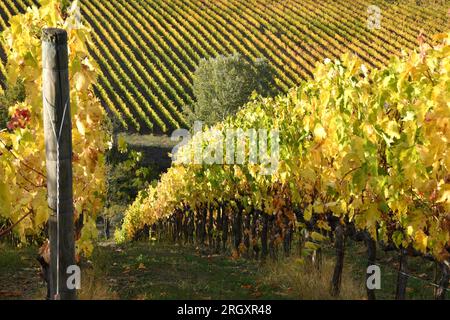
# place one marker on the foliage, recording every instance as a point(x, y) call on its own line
point(222, 85)
point(8, 98)
point(3, 116)
point(22, 151)
point(125, 176)
point(368, 148)
point(148, 49)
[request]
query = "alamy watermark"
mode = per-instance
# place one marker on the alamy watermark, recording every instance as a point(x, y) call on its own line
point(229, 146)
point(74, 279)
point(74, 11)
point(373, 281)
point(374, 19)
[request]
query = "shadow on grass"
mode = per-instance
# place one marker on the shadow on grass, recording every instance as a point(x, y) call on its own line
point(151, 270)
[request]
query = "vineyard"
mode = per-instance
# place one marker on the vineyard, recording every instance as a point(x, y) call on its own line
point(147, 50)
point(321, 171)
point(362, 155)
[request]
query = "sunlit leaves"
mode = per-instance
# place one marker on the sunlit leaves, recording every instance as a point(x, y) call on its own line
point(372, 150)
point(22, 149)
point(5, 200)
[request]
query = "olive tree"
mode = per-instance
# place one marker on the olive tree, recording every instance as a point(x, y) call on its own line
point(224, 84)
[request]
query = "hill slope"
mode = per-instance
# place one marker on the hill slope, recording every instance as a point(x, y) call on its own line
point(148, 49)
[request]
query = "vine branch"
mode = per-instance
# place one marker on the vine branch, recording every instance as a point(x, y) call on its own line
point(8, 230)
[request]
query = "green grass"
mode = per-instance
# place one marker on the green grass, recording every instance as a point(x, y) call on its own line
point(420, 268)
point(161, 271)
point(153, 270)
point(19, 273)
point(149, 140)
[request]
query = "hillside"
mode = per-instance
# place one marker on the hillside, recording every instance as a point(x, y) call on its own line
point(336, 187)
point(148, 49)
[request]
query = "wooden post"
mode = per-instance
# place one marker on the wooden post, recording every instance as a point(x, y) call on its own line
point(254, 237)
point(224, 229)
point(58, 148)
point(247, 230)
point(340, 246)
point(402, 278)
point(265, 227)
point(237, 229)
point(371, 260)
point(443, 282)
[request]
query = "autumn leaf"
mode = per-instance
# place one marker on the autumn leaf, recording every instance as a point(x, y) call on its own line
point(141, 266)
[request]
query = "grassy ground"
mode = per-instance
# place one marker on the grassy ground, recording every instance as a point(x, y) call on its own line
point(146, 270)
point(160, 271)
point(150, 140)
point(19, 273)
point(419, 286)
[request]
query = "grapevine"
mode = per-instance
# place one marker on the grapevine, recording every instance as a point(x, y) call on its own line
point(362, 149)
point(22, 152)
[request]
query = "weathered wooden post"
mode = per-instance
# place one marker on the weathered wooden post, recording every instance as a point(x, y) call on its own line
point(339, 266)
point(402, 278)
point(58, 148)
point(443, 282)
point(372, 257)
